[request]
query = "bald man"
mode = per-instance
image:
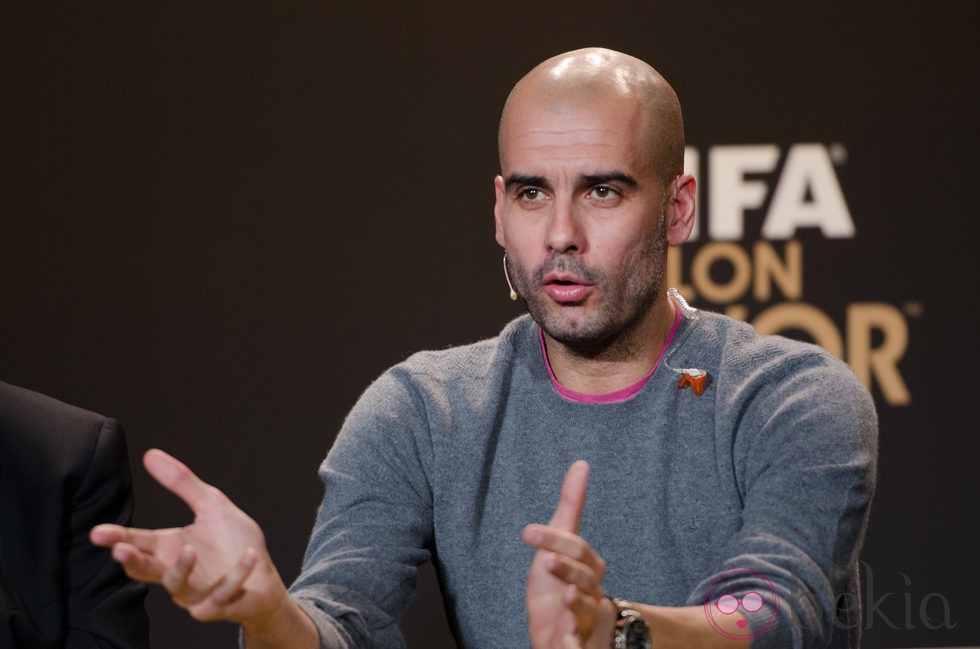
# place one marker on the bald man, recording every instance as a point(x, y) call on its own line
point(729, 474)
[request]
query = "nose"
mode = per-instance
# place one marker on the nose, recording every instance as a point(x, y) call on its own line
point(564, 232)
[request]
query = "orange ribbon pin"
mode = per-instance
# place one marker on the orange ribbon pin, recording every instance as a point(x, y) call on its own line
point(694, 378)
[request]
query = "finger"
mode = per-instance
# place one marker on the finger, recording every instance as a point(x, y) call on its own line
point(108, 535)
point(582, 577)
point(572, 498)
point(584, 608)
point(227, 589)
point(138, 565)
point(231, 586)
point(176, 477)
point(565, 544)
point(571, 641)
point(175, 579)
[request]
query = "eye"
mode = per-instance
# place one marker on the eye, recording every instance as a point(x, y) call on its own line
point(531, 195)
point(604, 194)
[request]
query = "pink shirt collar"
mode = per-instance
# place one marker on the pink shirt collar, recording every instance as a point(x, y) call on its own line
point(617, 395)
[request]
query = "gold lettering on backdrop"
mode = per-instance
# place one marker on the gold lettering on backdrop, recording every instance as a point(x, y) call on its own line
point(741, 278)
point(788, 275)
point(851, 341)
point(882, 361)
point(801, 317)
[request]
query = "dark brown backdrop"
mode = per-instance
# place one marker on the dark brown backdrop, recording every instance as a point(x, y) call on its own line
point(221, 220)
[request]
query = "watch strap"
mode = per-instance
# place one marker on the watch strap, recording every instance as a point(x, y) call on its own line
point(626, 618)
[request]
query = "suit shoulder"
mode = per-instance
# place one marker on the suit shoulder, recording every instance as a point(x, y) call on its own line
point(40, 428)
point(25, 407)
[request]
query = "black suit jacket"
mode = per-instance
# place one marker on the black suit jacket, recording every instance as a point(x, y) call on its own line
point(62, 471)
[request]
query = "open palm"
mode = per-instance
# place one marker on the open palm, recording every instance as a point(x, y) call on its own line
point(217, 567)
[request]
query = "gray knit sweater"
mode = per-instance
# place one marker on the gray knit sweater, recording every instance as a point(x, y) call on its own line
point(761, 484)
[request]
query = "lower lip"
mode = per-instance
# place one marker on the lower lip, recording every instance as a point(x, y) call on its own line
point(567, 292)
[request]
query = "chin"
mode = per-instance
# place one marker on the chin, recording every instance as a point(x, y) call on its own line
point(576, 332)
point(587, 330)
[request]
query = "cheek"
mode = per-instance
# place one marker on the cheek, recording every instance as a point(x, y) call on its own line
point(520, 237)
point(520, 254)
point(621, 253)
point(626, 238)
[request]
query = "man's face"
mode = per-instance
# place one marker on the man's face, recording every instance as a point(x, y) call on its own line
point(580, 210)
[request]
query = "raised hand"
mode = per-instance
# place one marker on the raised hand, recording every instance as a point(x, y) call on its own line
point(217, 567)
point(564, 585)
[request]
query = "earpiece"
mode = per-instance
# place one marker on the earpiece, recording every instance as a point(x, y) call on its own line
point(513, 293)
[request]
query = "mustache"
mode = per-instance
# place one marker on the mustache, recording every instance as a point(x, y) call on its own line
point(568, 264)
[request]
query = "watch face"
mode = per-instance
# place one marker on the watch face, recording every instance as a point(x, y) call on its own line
point(637, 633)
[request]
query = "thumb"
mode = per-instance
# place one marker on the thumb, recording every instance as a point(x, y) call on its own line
point(176, 477)
point(572, 499)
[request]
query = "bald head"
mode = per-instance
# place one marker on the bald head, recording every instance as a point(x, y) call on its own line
point(595, 75)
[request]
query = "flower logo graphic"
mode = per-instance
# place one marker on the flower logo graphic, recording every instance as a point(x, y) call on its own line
point(719, 604)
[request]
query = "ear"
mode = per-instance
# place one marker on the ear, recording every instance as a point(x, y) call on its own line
point(498, 206)
point(680, 209)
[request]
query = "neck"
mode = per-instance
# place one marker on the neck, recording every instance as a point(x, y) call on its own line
point(618, 364)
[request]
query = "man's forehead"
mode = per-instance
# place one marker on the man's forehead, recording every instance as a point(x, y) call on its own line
point(583, 139)
point(568, 158)
point(557, 113)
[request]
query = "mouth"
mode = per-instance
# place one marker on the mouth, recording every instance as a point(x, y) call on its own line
point(566, 289)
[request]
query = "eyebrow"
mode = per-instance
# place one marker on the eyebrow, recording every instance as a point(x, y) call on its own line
point(519, 179)
point(612, 176)
point(588, 180)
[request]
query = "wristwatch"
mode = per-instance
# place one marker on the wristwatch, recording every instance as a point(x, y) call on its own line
point(632, 631)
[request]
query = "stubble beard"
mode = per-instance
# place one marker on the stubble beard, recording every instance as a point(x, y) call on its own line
point(627, 297)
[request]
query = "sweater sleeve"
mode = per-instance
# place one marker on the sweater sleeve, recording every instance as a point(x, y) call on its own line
point(805, 456)
point(374, 526)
